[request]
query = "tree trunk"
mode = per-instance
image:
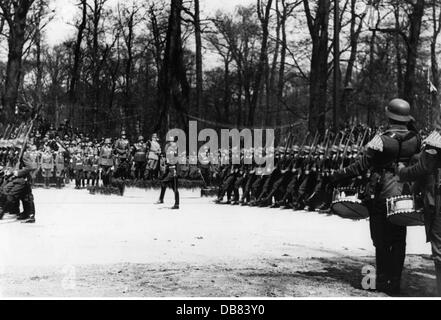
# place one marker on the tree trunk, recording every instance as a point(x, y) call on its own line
point(415, 20)
point(354, 37)
point(318, 28)
point(17, 26)
point(227, 91)
point(174, 87)
point(436, 110)
point(199, 71)
point(77, 54)
point(264, 19)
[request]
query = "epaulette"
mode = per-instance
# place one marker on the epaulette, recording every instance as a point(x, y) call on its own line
point(433, 140)
point(376, 144)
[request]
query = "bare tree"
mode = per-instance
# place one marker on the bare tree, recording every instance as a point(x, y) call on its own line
point(318, 29)
point(77, 51)
point(174, 88)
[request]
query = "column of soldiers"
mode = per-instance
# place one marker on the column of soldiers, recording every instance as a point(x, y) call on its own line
point(305, 177)
point(299, 179)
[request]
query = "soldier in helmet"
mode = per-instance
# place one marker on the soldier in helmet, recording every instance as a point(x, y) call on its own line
point(140, 158)
point(384, 152)
point(170, 179)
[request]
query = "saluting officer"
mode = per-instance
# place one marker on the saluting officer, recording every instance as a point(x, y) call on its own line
point(384, 152)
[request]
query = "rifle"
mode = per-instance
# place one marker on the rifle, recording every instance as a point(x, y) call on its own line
point(6, 131)
point(360, 146)
point(314, 142)
point(288, 143)
point(345, 152)
point(26, 137)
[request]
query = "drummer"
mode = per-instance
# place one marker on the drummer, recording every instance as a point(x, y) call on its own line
point(384, 152)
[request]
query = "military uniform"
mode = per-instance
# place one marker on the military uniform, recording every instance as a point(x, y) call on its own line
point(153, 157)
point(140, 158)
point(397, 144)
point(17, 187)
point(170, 179)
point(47, 166)
point(78, 166)
point(60, 167)
point(122, 152)
point(426, 174)
point(106, 163)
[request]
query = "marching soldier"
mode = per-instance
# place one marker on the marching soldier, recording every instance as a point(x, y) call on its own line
point(17, 187)
point(170, 179)
point(397, 144)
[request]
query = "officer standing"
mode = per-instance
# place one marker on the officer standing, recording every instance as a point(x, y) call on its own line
point(171, 175)
point(140, 157)
point(47, 165)
point(383, 153)
point(59, 166)
point(153, 157)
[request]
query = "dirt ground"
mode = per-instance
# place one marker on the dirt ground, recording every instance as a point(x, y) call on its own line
point(109, 246)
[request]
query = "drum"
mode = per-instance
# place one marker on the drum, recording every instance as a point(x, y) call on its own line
point(402, 211)
point(209, 192)
point(347, 204)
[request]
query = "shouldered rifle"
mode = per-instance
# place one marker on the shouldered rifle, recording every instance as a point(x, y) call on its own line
point(345, 151)
point(26, 138)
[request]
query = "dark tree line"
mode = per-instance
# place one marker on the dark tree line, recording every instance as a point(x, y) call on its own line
point(148, 66)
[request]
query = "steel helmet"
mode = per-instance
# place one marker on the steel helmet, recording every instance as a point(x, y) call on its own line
point(399, 110)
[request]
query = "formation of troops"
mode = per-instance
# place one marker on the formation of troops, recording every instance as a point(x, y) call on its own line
point(299, 179)
point(390, 175)
point(88, 163)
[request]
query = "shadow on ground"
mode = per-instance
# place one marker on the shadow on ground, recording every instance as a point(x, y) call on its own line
point(339, 276)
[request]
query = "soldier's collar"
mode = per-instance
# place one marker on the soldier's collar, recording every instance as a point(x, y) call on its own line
point(397, 127)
